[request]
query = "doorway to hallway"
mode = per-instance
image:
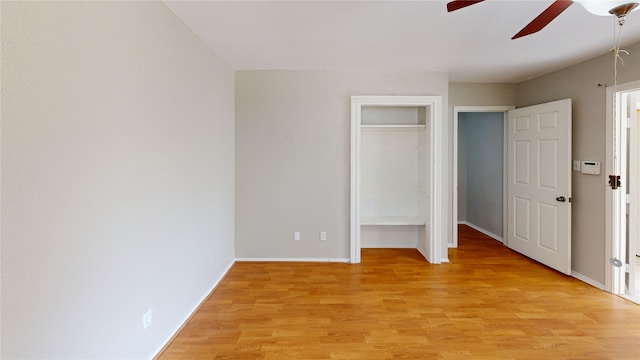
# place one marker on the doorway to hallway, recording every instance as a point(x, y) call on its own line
point(536, 217)
point(479, 169)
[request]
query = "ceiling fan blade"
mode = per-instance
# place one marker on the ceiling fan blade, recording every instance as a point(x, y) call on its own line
point(459, 4)
point(544, 18)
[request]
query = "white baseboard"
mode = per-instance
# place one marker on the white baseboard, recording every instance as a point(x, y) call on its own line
point(338, 260)
point(203, 298)
point(587, 280)
point(478, 228)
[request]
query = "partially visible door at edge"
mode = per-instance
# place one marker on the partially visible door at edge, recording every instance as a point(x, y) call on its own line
point(539, 183)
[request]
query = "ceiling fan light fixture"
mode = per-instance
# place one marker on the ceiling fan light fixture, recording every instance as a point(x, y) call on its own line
point(622, 10)
point(608, 7)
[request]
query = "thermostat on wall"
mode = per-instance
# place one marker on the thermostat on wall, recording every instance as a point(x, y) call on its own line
point(591, 167)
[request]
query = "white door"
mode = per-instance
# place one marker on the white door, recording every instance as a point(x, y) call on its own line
point(539, 183)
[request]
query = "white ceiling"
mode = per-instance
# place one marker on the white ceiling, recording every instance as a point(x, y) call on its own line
point(472, 44)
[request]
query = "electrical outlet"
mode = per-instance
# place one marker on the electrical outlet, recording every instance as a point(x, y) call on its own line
point(146, 319)
point(296, 235)
point(323, 235)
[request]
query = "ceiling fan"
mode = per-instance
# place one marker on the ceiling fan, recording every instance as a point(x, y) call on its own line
point(603, 7)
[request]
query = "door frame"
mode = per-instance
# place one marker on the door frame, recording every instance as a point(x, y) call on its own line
point(614, 276)
point(478, 109)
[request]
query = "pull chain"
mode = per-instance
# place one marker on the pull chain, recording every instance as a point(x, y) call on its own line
point(614, 179)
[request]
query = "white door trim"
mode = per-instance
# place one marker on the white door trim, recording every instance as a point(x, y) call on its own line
point(437, 221)
point(612, 274)
point(456, 113)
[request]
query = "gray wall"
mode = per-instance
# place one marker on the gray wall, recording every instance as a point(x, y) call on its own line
point(292, 156)
point(580, 82)
point(472, 94)
point(117, 177)
point(462, 170)
point(480, 170)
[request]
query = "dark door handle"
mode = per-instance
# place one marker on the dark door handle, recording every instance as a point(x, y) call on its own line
point(561, 199)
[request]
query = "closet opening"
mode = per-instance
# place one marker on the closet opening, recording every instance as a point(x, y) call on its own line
point(393, 176)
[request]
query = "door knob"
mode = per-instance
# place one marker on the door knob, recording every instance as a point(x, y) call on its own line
point(561, 199)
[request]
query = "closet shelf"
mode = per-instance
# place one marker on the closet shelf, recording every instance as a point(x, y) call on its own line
point(387, 126)
point(391, 220)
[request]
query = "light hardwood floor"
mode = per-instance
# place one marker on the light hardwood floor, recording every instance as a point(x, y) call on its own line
point(488, 303)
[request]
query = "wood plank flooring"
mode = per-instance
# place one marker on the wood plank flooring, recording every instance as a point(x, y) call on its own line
point(488, 303)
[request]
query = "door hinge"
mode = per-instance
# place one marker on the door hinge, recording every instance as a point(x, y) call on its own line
point(628, 198)
point(617, 263)
point(614, 182)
